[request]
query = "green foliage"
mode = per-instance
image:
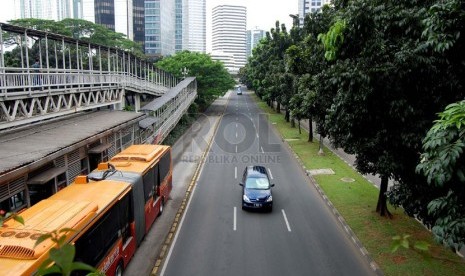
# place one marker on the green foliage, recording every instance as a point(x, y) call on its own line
point(213, 80)
point(129, 108)
point(372, 75)
point(333, 39)
point(12, 215)
point(404, 242)
point(61, 258)
point(443, 165)
point(443, 26)
point(267, 71)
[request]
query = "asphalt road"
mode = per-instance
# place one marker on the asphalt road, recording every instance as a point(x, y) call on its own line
point(300, 237)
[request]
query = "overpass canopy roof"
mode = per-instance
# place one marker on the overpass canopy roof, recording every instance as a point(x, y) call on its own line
point(35, 142)
point(172, 93)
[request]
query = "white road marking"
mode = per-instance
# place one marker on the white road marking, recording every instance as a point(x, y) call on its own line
point(257, 135)
point(285, 219)
point(235, 172)
point(234, 226)
point(262, 149)
point(269, 171)
point(236, 134)
point(236, 125)
point(236, 148)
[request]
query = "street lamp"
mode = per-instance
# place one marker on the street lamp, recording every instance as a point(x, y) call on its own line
point(184, 72)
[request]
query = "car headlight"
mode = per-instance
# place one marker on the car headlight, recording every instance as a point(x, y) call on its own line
point(245, 198)
point(269, 199)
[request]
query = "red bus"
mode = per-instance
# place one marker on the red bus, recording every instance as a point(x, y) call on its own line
point(110, 210)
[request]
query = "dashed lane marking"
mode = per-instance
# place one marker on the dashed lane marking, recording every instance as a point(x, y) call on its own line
point(286, 221)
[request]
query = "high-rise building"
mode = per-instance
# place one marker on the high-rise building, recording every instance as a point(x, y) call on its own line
point(45, 9)
point(160, 20)
point(122, 16)
point(306, 6)
point(180, 36)
point(196, 26)
point(229, 33)
point(253, 37)
point(190, 25)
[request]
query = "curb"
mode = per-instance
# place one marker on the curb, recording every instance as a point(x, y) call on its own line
point(374, 266)
point(177, 219)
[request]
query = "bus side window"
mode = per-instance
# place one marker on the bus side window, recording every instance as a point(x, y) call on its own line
point(92, 246)
point(149, 183)
point(165, 166)
point(126, 216)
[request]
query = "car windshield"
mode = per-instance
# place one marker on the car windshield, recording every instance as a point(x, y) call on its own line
point(257, 183)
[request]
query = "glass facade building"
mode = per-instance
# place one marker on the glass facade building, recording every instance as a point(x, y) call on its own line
point(152, 27)
point(253, 37)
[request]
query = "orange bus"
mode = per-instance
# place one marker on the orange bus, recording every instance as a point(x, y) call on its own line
point(110, 210)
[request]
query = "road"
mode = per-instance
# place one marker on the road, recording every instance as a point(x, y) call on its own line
point(300, 237)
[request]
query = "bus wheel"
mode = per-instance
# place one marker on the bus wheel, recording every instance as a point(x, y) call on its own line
point(119, 270)
point(162, 206)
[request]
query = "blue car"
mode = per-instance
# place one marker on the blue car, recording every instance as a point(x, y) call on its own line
point(256, 189)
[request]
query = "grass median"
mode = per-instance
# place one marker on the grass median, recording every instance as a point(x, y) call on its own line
point(356, 202)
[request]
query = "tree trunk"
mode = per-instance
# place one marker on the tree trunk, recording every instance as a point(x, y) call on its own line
point(278, 107)
point(310, 130)
point(381, 207)
point(292, 122)
point(300, 130)
point(287, 115)
point(320, 151)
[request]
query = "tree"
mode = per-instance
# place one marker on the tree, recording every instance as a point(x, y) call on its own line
point(305, 59)
point(243, 76)
point(442, 44)
point(213, 79)
point(384, 103)
point(443, 164)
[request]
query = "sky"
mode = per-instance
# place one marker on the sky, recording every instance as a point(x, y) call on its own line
point(7, 10)
point(261, 14)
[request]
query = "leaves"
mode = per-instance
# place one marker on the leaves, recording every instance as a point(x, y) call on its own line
point(404, 242)
point(61, 257)
point(12, 215)
point(333, 39)
point(374, 75)
point(213, 80)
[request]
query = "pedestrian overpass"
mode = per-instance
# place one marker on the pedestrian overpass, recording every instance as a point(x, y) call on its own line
point(75, 76)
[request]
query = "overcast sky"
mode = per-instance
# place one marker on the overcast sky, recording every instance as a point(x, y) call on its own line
point(260, 13)
point(7, 10)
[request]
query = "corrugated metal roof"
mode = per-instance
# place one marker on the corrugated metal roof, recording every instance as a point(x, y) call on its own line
point(38, 141)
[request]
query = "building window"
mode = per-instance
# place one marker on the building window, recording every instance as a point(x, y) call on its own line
point(13, 203)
